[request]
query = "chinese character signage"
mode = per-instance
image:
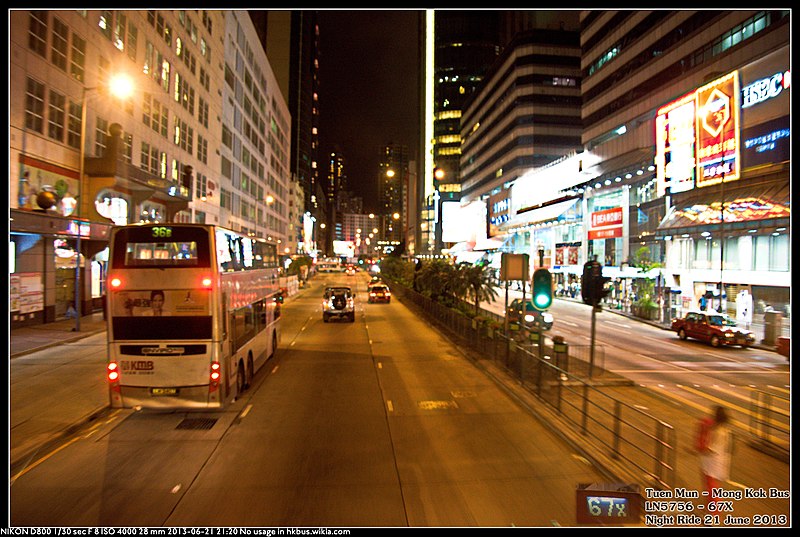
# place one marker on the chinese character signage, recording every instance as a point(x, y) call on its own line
point(606, 224)
point(697, 137)
point(718, 131)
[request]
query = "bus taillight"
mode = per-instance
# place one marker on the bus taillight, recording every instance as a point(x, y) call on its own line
point(214, 377)
point(112, 373)
point(115, 282)
point(207, 282)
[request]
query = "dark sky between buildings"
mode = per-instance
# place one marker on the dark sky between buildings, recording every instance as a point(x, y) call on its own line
point(369, 73)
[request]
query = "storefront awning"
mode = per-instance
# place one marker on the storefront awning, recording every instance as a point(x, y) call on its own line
point(542, 214)
point(743, 204)
point(639, 158)
point(468, 257)
point(487, 244)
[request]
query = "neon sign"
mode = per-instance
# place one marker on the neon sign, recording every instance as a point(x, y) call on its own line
point(766, 88)
point(717, 131)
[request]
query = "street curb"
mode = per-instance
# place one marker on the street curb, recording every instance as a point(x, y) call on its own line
point(69, 339)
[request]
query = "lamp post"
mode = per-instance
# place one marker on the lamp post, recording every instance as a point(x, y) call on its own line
point(121, 86)
point(722, 242)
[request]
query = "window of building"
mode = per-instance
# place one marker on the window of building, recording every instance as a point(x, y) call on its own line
point(78, 60)
point(133, 34)
point(202, 149)
point(100, 136)
point(58, 52)
point(74, 125)
point(120, 31)
point(34, 106)
point(56, 116)
point(105, 23)
point(37, 32)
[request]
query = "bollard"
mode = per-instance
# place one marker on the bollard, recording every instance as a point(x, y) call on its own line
point(560, 349)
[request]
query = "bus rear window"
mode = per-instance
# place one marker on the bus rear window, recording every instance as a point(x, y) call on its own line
point(161, 246)
point(162, 254)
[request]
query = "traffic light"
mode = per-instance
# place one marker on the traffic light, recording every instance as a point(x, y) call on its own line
point(542, 289)
point(593, 283)
point(587, 284)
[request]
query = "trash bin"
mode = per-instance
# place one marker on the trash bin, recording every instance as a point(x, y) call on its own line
point(773, 327)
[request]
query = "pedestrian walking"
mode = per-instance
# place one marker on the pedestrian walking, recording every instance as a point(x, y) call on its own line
point(714, 444)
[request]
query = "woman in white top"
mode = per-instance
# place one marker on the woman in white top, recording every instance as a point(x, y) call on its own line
point(716, 447)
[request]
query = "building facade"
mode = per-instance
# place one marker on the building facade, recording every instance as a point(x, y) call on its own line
point(686, 118)
point(203, 137)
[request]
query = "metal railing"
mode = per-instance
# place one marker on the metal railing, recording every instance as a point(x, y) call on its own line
point(561, 377)
point(770, 422)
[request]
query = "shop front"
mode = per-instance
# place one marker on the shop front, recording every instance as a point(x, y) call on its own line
point(48, 256)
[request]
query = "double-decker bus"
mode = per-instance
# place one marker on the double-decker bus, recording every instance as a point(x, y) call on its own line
point(193, 313)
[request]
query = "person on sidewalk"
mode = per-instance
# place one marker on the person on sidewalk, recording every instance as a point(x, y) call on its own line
point(714, 444)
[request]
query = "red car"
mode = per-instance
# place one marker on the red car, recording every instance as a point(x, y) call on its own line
point(379, 293)
point(713, 328)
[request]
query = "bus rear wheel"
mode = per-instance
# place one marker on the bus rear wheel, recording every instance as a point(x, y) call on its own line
point(274, 344)
point(241, 381)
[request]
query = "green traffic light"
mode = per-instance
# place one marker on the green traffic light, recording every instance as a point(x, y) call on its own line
point(542, 289)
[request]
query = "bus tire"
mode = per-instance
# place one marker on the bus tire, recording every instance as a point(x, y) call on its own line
point(241, 381)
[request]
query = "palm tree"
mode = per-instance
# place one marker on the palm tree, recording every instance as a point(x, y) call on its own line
point(436, 279)
point(478, 283)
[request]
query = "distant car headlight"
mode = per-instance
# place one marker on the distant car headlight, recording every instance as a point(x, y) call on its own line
point(548, 317)
point(729, 334)
point(529, 318)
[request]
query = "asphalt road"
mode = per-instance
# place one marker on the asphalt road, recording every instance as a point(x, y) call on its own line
point(377, 423)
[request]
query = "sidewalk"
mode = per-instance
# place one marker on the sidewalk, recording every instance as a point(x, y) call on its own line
point(30, 339)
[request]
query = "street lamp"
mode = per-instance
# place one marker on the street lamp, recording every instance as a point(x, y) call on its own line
point(121, 86)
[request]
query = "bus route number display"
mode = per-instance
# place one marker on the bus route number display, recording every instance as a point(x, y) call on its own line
point(162, 232)
point(608, 504)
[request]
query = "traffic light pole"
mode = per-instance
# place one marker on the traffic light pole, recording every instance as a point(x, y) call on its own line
point(591, 344)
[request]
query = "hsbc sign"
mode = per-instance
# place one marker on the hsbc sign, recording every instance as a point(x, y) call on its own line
point(766, 88)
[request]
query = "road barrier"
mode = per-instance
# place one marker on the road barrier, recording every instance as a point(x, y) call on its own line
point(769, 423)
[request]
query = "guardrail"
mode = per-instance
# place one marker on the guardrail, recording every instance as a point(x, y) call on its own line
point(770, 422)
point(560, 377)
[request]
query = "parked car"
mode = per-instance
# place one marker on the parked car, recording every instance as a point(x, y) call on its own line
point(379, 292)
point(338, 302)
point(532, 317)
point(714, 328)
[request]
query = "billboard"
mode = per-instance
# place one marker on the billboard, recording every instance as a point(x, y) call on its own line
point(697, 137)
point(465, 223)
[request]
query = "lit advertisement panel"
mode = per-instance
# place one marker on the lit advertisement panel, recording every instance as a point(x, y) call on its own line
point(465, 223)
point(717, 131)
point(344, 248)
point(675, 158)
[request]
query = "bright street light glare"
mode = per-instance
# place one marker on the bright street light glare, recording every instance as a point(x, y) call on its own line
point(121, 86)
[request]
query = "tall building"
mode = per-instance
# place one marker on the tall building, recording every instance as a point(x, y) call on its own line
point(683, 92)
point(204, 137)
point(291, 39)
point(684, 166)
point(466, 45)
point(393, 177)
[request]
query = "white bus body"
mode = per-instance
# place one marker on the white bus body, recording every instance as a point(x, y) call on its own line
point(193, 313)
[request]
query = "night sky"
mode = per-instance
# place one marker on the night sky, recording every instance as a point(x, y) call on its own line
point(369, 74)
